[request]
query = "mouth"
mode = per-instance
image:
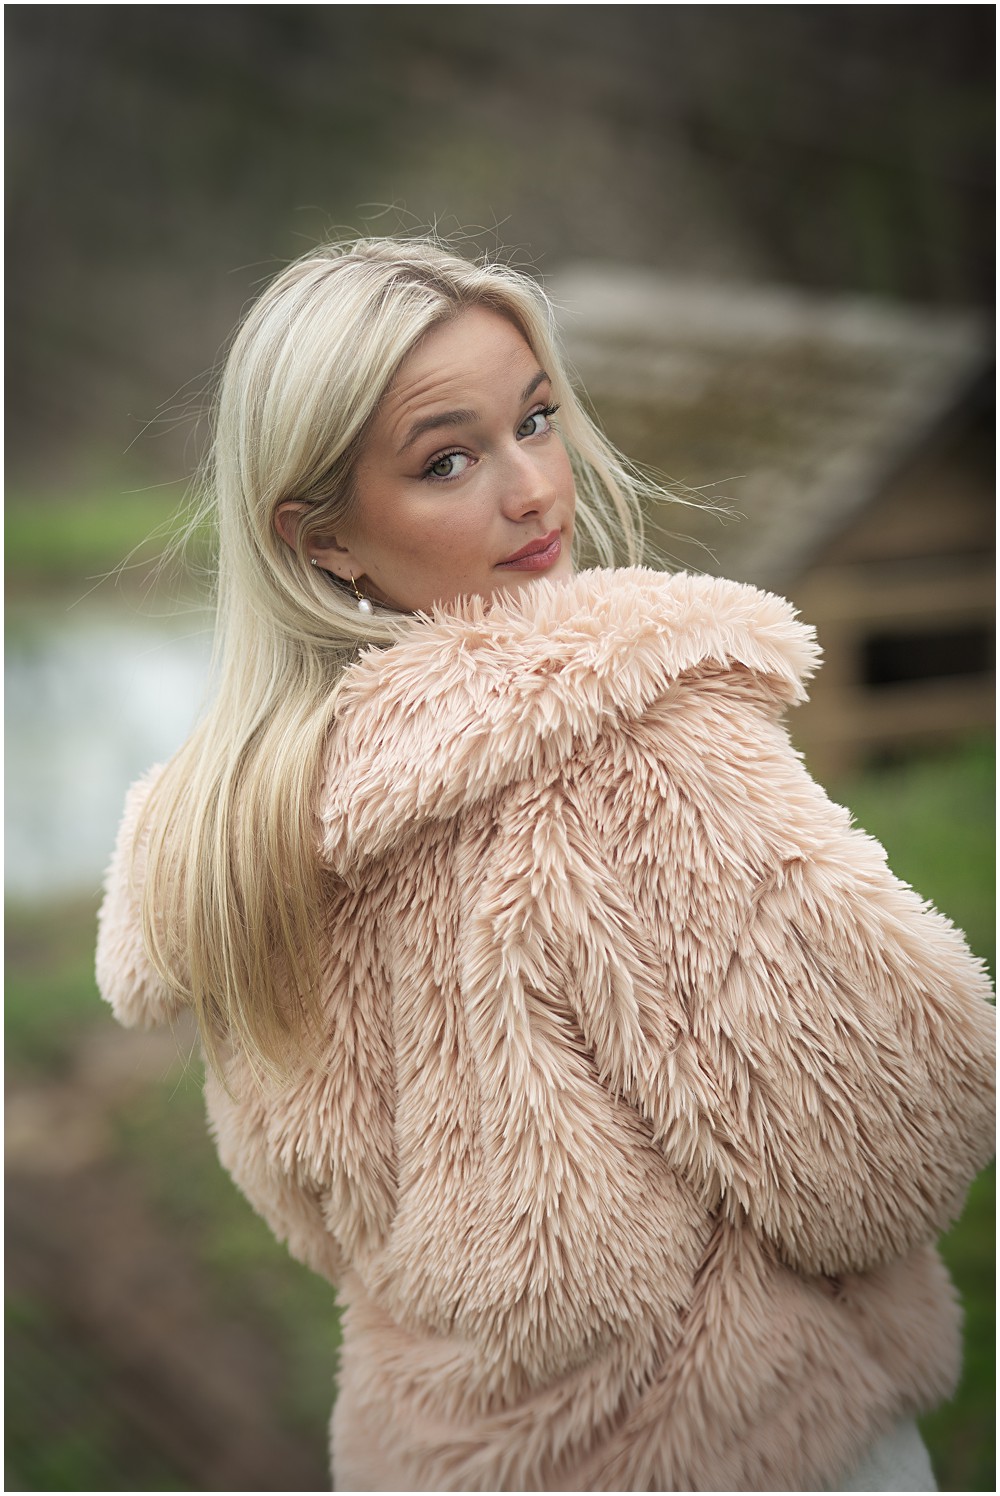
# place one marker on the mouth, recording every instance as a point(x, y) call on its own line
point(537, 555)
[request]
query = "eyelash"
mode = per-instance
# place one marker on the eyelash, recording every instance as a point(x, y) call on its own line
point(548, 411)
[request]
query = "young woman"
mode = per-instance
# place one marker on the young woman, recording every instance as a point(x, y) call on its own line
point(552, 1012)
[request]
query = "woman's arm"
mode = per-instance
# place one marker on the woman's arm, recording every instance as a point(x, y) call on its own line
point(851, 1040)
point(290, 1203)
point(819, 1054)
point(126, 978)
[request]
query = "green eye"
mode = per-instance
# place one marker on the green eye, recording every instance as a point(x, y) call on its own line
point(448, 465)
point(538, 422)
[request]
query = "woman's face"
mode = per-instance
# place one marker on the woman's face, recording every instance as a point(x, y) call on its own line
point(464, 485)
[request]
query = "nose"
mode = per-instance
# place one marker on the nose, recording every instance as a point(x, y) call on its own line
point(528, 487)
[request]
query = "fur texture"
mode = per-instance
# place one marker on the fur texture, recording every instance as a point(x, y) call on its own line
point(645, 1087)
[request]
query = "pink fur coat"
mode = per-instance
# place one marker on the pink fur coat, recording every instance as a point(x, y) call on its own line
point(646, 1087)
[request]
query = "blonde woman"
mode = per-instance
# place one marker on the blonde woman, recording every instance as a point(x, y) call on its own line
point(551, 1011)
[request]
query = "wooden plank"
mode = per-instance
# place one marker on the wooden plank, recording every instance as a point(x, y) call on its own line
point(892, 714)
point(901, 596)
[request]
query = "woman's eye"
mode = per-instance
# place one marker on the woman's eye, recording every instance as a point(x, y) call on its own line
point(451, 465)
point(537, 422)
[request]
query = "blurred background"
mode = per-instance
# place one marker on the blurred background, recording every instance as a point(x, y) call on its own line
point(768, 231)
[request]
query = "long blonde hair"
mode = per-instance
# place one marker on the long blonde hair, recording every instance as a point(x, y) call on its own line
point(232, 888)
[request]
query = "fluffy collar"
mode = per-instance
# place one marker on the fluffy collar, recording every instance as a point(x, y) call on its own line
point(480, 695)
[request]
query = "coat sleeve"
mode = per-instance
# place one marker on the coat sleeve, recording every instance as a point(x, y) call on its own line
point(835, 1085)
point(851, 1042)
point(292, 1204)
point(126, 978)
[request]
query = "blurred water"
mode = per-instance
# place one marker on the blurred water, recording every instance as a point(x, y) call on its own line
point(91, 701)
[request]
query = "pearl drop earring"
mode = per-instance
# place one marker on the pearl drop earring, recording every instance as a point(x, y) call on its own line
point(364, 606)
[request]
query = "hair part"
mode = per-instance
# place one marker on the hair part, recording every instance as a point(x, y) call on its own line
point(233, 890)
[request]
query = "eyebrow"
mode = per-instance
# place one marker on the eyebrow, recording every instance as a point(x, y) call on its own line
point(461, 417)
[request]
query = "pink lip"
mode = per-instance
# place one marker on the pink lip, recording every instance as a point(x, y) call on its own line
point(537, 555)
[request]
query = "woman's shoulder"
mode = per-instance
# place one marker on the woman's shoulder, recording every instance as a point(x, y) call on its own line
point(610, 638)
point(482, 694)
point(125, 977)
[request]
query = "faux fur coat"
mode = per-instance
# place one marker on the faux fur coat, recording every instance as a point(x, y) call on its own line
point(646, 1087)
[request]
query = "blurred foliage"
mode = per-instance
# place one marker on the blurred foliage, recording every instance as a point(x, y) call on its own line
point(50, 993)
point(934, 816)
point(67, 1429)
point(71, 1416)
point(110, 534)
point(62, 1430)
point(250, 1273)
point(961, 1435)
point(163, 160)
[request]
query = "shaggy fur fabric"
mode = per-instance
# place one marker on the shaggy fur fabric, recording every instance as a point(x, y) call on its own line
point(646, 1088)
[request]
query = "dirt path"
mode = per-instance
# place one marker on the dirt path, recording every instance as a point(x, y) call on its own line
point(191, 1386)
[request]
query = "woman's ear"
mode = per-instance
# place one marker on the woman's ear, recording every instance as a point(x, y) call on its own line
point(286, 522)
point(324, 550)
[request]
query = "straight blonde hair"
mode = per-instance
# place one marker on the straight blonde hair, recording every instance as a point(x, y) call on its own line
point(232, 886)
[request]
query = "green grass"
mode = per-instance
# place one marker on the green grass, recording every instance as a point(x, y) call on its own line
point(56, 541)
point(62, 1431)
point(961, 1436)
point(51, 997)
point(68, 1434)
point(935, 817)
point(249, 1273)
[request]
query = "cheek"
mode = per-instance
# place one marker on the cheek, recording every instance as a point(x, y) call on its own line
point(435, 540)
point(460, 540)
point(565, 474)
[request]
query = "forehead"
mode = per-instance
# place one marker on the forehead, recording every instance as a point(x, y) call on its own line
point(477, 353)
